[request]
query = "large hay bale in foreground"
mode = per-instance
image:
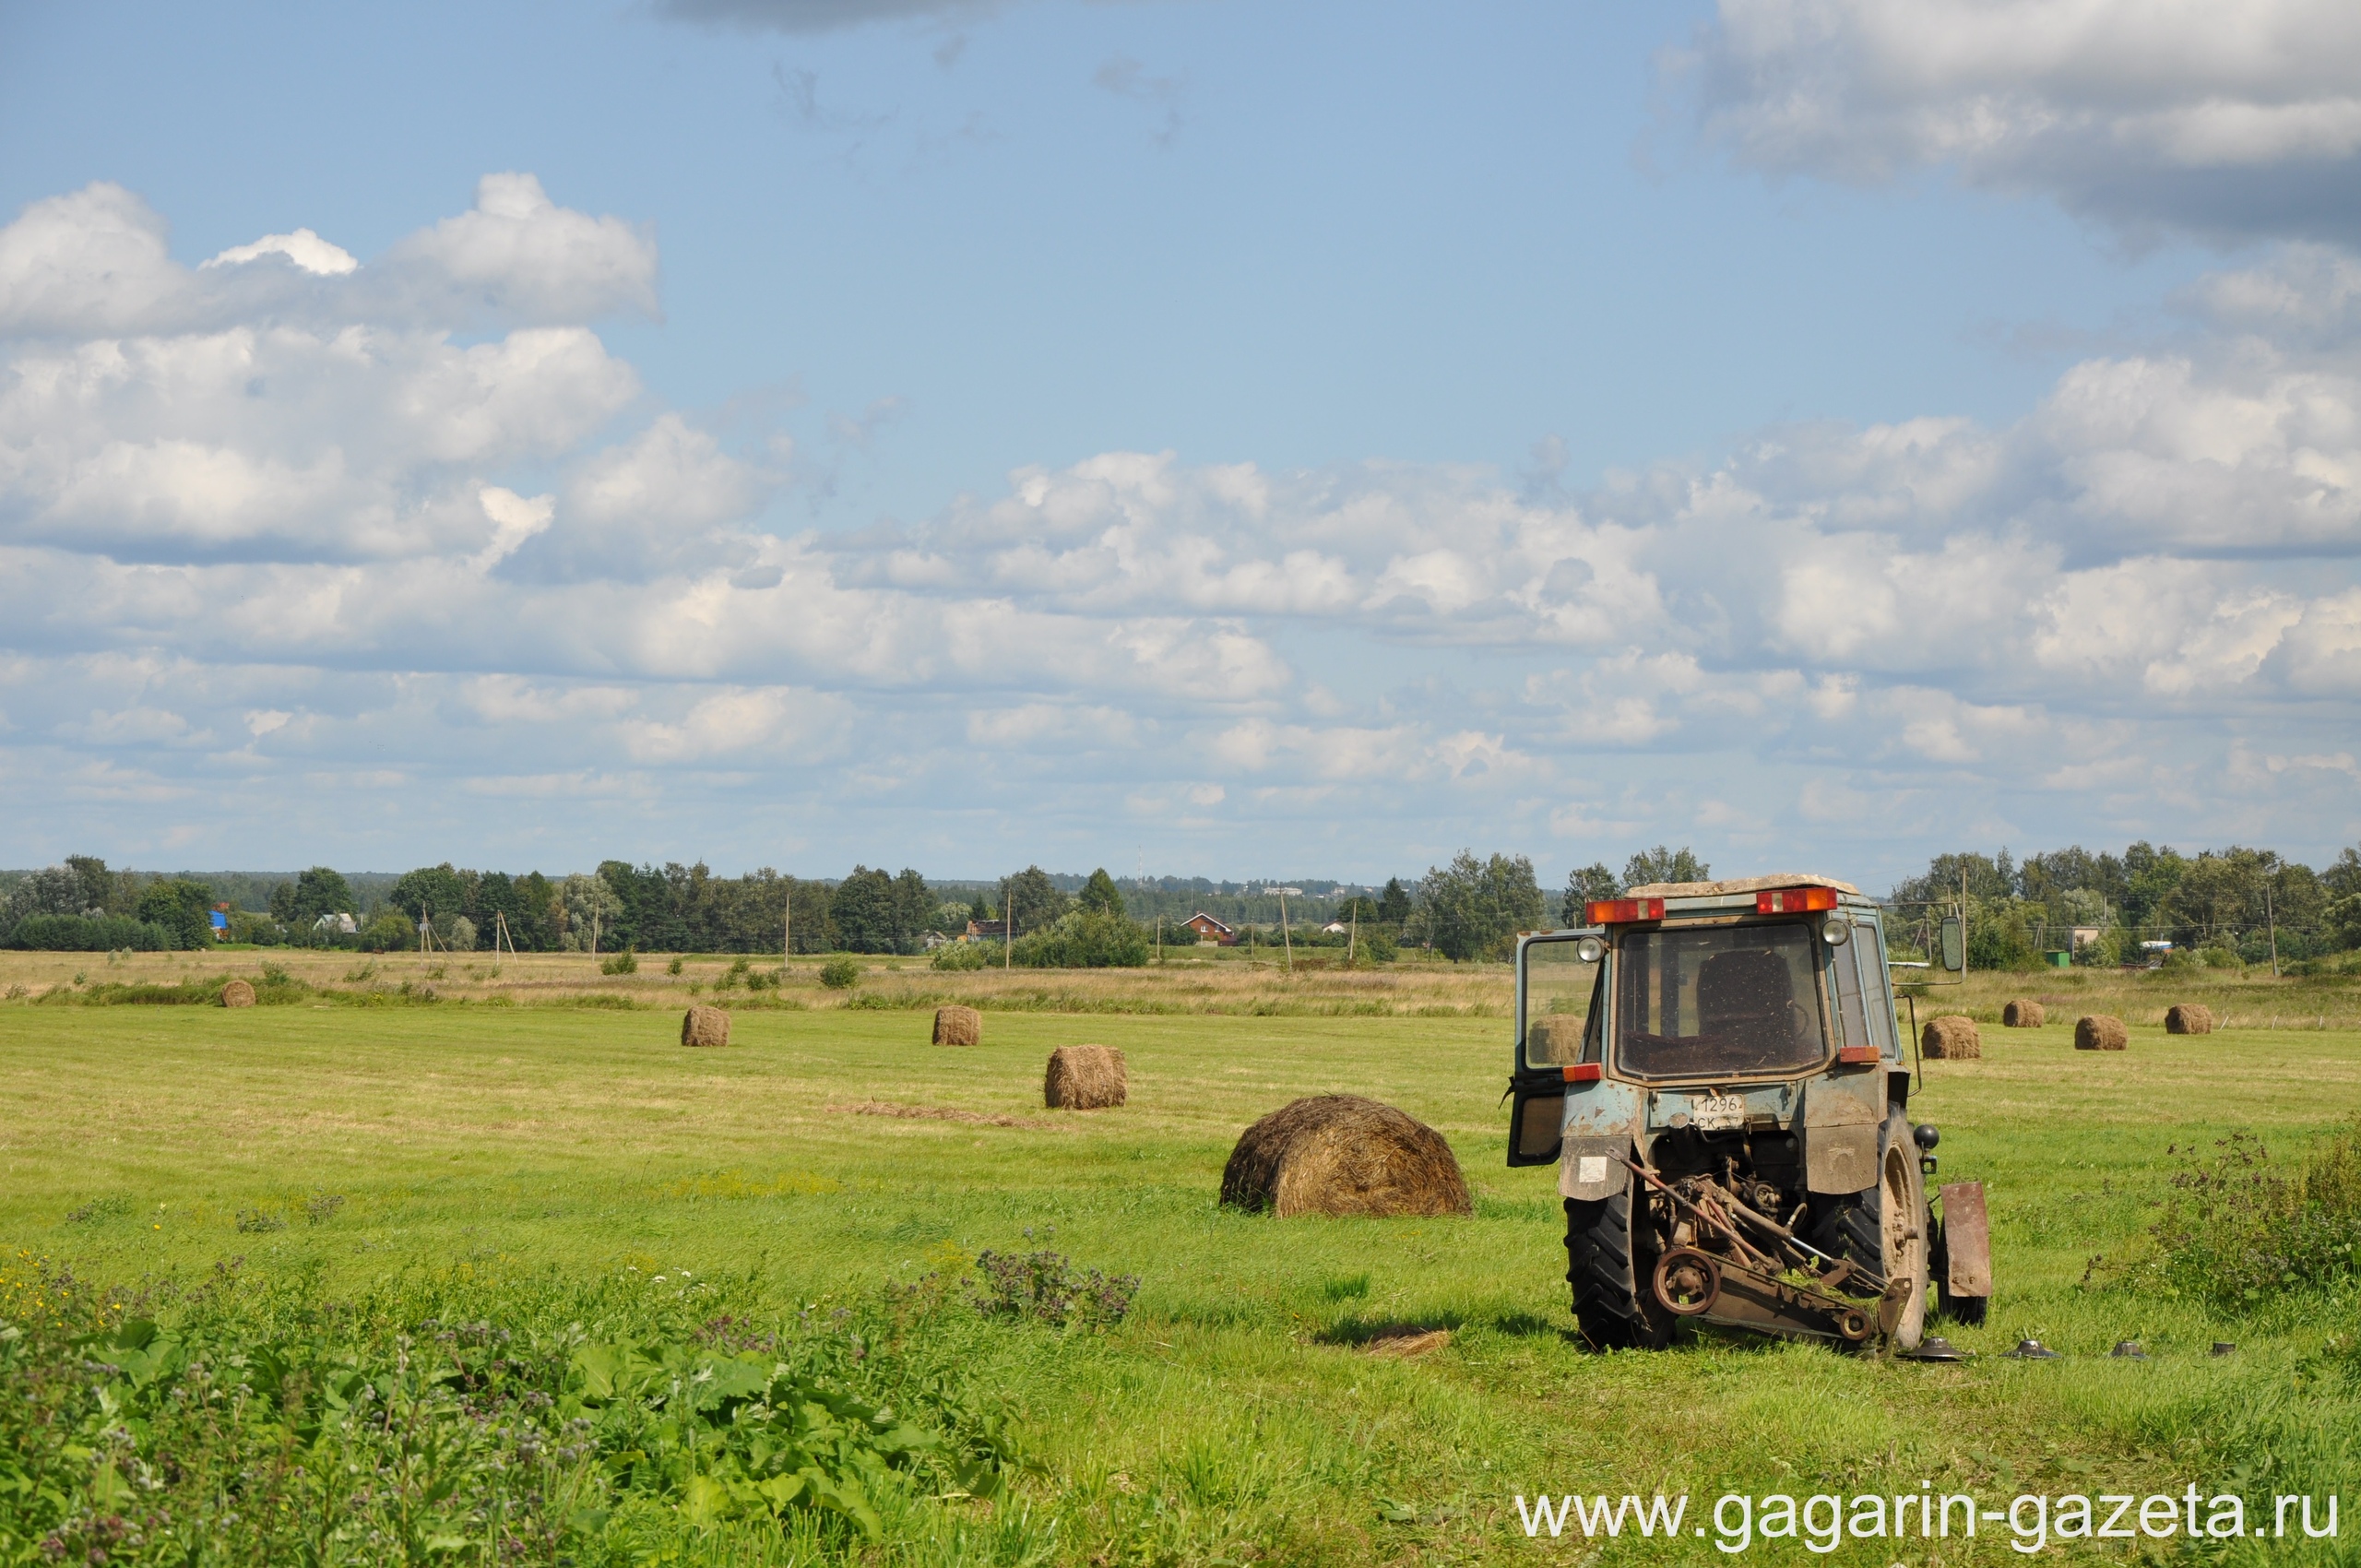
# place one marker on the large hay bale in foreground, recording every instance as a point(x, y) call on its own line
point(1339, 1154)
point(2188, 1018)
point(2100, 1032)
point(959, 1026)
point(2022, 1014)
point(238, 994)
point(1083, 1077)
point(1951, 1038)
point(705, 1025)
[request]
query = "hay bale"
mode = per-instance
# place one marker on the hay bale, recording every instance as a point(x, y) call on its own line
point(1339, 1154)
point(959, 1026)
point(238, 994)
point(2099, 1032)
point(705, 1025)
point(2022, 1014)
point(1083, 1077)
point(2188, 1018)
point(1951, 1038)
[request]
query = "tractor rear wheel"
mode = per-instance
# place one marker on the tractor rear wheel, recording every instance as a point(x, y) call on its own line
point(1889, 1229)
point(1610, 1261)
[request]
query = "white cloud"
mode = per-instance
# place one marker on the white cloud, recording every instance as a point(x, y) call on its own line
point(303, 248)
point(283, 524)
point(2230, 118)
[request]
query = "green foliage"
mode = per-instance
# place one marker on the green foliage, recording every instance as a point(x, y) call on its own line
point(1085, 939)
point(1044, 1287)
point(2240, 1229)
point(1661, 864)
point(955, 958)
point(1394, 903)
point(1099, 894)
point(436, 891)
point(1583, 886)
point(1376, 945)
point(389, 930)
point(623, 963)
point(319, 891)
point(256, 1421)
point(1470, 908)
point(183, 908)
point(840, 974)
point(1035, 900)
point(73, 934)
point(873, 912)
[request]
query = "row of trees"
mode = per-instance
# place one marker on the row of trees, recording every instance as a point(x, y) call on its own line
point(2234, 903)
point(82, 906)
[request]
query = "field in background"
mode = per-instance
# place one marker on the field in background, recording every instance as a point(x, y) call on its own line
point(1208, 980)
point(1234, 1415)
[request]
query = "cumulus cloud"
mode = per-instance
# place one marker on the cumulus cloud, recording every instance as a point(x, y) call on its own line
point(307, 542)
point(2234, 120)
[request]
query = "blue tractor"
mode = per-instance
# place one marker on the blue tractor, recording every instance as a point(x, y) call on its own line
point(1715, 1069)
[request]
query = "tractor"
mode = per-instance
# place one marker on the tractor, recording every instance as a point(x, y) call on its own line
point(1715, 1069)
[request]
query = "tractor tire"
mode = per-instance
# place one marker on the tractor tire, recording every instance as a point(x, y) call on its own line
point(1889, 1227)
point(1609, 1266)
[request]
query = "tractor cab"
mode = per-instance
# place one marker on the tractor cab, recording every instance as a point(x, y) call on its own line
point(1714, 1068)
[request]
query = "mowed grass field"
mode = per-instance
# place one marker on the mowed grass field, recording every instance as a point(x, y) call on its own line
point(1233, 1417)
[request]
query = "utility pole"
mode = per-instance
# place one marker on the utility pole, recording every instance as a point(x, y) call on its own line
point(2270, 916)
point(1354, 935)
point(1007, 926)
point(1284, 935)
point(787, 934)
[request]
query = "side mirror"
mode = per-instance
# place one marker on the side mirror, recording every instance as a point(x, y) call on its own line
point(1953, 941)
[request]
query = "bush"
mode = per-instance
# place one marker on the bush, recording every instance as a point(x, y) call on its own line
point(582, 1424)
point(623, 963)
point(2240, 1229)
point(1376, 944)
point(953, 957)
point(841, 973)
point(462, 938)
point(1044, 1287)
point(389, 930)
point(77, 934)
point(1087, 939)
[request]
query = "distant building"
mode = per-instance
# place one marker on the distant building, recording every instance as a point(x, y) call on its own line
point(987, 931)
point(1336, 927)
point(1211, 930)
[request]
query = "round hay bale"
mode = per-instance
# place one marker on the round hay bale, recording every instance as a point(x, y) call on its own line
point(2097, 1032)
point(1083, 1077)
point(1951, 1038)
point(2188, 1018)
point(1339, 1154)
point(238, 994)
point(2022, 1014)
point(705, 1025)
point(959, 1026)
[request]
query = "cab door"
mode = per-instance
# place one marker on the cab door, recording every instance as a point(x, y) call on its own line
point(1560, 999)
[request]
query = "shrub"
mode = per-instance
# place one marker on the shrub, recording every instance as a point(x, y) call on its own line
point(1377, 944)
point(2240, 1229)
point(1045, 1288)
point(440, 1424)
point(623, 963)
point(958, 957)
point(1087, 939)
point(462, 938)
point(675, 967)
point(77, 934)
point(841, 973)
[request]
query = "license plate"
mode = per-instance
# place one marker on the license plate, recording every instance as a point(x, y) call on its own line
point(1718, 1113)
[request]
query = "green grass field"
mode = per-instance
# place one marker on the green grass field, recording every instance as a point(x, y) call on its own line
point(1232, 1417)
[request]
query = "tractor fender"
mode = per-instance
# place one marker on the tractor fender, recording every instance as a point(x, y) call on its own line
point(1602, 1120)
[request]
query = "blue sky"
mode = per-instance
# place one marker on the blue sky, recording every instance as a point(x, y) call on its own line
point(1285, 439)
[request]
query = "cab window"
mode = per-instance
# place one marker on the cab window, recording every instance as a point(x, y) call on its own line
point(1557, 989)
point(1709, 1001)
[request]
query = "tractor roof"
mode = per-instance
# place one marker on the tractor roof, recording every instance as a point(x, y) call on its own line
point(1742, 884)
